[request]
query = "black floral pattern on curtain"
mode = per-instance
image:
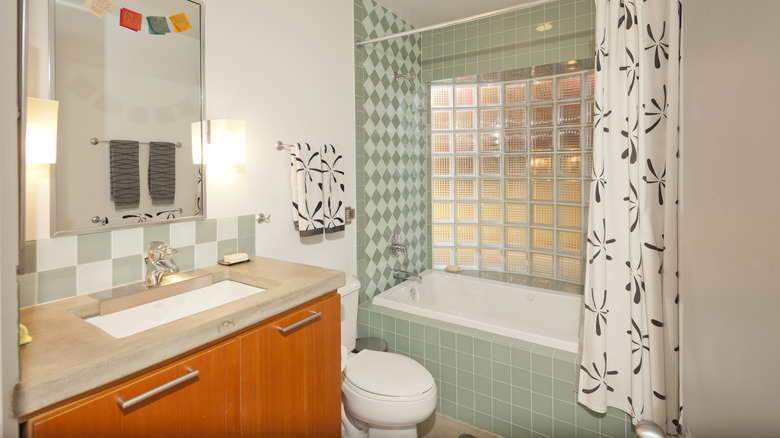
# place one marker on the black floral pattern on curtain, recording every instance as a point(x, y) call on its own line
point(630, 336)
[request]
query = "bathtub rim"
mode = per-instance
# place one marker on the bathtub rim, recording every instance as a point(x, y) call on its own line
point(539, 338)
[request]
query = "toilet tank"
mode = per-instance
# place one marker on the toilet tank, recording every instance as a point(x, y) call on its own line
point(349, 309)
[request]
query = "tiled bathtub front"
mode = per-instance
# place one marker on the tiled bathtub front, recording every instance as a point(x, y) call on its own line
point(509, 387)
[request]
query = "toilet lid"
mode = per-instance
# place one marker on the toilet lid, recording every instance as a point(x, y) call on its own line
point(388, 374)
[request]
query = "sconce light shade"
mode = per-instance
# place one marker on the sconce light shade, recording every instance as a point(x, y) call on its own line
point(225, 142)
point(197, 146)
point(41, 132)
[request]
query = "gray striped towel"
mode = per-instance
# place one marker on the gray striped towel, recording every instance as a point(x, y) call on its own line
point(125, 185)
point(162, 172)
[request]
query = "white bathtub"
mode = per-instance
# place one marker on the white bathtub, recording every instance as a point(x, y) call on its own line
point(522, 312)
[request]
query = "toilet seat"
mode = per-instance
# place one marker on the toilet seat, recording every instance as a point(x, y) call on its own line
point(387, 376)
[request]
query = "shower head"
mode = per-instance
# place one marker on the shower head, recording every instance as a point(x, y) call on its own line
point(409, 77)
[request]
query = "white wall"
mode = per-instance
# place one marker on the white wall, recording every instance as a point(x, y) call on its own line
point(730, 211)
point(9, 306)
point(287, 68)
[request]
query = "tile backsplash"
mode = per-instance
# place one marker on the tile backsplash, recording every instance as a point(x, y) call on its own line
point(63, 267)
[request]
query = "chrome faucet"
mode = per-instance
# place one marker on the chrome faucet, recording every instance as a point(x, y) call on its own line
point(400, 273)
point(159, 255)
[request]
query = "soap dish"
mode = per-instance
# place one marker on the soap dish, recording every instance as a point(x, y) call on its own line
point(224, 263)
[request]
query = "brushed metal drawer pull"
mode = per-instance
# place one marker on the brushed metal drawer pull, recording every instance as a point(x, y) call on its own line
point(314, 315)
point(191, 374)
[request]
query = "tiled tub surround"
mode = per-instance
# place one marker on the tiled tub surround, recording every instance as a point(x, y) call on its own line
point(509, 387)
point(390, 149)
point(64, 267)
point(511, 40)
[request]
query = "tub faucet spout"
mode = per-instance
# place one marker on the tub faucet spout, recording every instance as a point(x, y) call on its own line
point(159, 255)
point(404, 275)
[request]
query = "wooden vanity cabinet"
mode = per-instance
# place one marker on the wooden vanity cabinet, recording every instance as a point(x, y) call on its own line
point(281, 379)
point(203, 405)
point(291, 375)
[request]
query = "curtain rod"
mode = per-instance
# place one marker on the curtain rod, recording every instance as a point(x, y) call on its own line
point(458, 21)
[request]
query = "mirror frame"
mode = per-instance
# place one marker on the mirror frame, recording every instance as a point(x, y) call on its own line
point(22, 69)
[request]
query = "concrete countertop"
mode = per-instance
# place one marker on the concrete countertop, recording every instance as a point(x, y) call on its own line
point(69, 356)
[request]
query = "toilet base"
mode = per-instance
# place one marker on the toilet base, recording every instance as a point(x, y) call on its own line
point(393, 432)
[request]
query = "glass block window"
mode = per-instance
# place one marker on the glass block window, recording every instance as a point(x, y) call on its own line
point(510, 173)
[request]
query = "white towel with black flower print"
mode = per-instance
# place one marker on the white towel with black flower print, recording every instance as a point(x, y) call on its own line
point(317, 181)
point(306, 182)
point(332, 189)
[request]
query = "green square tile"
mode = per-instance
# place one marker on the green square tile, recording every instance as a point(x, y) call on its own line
point(465, 379)
point(483, 421)
point(246, 244)
point(465, 343)
point(417, 331)
point(522, 416)
point(501, 372)
point(541, 384)
point(93, 247)
point(541, 364)
point(564, 391)
point(564, 411)
point(613, 427)
point(449, 408)
point(448, 356)
point(225, 247)
point(159, 233)
point(521, 378)
point(416, 347)
point(502, 391)
point(465, 397)
point(483, 403)
point(483, 385)
point(126, 270)
point(56, 284)
point(402, 344)
point(448, 391)
point(483, 367)
point(185, 259)
point(521, 358)
point(561, 428)
point(465, 414)
point(541, 404)
point(448, 337)
point(206, 231)
point(432, 352)
point(31, 256)
point(402, 326)
point(586, 418)
point(431, 334)
point(501, 427)
point(388, 323)
point(521, 397)
point(482, 348)
point(564, 370)
point(465, 361)
point(585, 433)
point(246, 226)
point(542, 424)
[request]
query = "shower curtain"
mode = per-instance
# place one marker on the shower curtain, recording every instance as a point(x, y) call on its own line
point(630, 337)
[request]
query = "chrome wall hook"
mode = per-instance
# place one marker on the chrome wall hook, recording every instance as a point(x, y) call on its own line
point(262, 218)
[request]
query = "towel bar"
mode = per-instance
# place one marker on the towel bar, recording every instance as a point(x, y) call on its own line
point(280, 146)
point(94, 141)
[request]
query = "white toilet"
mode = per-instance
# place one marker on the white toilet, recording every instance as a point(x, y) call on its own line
point(383, 394)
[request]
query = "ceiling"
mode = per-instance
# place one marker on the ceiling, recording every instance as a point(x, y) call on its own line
point(421, 13)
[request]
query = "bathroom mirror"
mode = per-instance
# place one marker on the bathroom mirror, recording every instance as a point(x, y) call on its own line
point(116, 83)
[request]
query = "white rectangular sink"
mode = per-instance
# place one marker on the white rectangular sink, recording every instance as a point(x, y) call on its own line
point(140, 318)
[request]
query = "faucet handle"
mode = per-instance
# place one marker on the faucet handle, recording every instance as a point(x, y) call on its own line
point(162, 248)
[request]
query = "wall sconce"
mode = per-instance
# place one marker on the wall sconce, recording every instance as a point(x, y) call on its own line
point(225, 142)
point(41, 133)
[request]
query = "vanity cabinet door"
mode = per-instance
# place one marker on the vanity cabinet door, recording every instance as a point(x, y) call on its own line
point(291, 375)
point(200, 404)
